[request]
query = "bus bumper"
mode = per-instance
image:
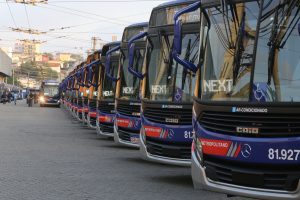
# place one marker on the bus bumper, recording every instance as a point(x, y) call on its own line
point(89, 121)
point(79, 115)
point(121, 142)
point(102, 133)
point(200, 181)
point(159, 159)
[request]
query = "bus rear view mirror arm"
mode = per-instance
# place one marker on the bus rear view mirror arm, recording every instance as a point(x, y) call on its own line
point(108, 62)
point(90, 71)
point(131, 47)
point(178, 36)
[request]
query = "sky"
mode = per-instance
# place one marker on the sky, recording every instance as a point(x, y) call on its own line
point(72, 22)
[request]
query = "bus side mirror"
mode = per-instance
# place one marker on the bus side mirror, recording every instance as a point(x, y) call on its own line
point(178, 36)
point(131, 47)
point(108, 62)
point(299, 29)
point(82, 76)
point(90, 72)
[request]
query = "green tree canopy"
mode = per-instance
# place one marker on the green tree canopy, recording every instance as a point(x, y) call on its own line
point(38, 71)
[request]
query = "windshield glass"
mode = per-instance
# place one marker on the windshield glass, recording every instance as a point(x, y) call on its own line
point(230, 48)
point(130, 84)
point(50, 91)
point(109, 86)
point(277, 67)
point(166, 79)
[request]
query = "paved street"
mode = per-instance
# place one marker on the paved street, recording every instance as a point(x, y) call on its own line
point(46, 154)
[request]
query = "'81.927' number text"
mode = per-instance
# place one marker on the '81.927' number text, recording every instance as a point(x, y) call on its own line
point(284, 154)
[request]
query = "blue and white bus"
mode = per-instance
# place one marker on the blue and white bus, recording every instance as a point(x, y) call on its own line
point(107, 87)
point(49, 93)
point(128, 94)
point(246, 115)
point(167, 87)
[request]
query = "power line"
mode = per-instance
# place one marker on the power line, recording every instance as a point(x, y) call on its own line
point(13, 19)
point(103, 1)
point(111, 20)
point(67, 12)
point(108, 1)
point(27, 16)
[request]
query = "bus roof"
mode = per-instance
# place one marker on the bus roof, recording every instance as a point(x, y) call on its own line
point(142, 24)
point(50, 81)
point(98, 51)
point(174, 3)
point(208, 3)
point(112, 43)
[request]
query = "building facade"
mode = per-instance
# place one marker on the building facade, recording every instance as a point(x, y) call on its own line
point(5, 65)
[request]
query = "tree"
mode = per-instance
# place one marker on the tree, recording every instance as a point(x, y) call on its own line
point(38, 71)
point(77, 57)
point(16, 83)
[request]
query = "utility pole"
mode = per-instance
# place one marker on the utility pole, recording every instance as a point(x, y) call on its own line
point(94, 43)
point(28, 79)
point(13, 76)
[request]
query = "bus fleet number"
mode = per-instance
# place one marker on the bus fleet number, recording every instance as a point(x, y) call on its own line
point(188, 134)
point(284, 154)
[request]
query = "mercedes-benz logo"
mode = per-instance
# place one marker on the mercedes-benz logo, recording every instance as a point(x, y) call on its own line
point(171, 133)
point(246, 150)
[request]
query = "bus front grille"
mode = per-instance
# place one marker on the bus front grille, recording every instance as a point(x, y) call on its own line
point(93, 121)
point(85, 101)
point(93, 105)
point(107, 128)
point(80, 102)
point(169, 150)
point(168, 116)
point(106, 107)
point(129, 110)
point(251, 124)
point(125, 134)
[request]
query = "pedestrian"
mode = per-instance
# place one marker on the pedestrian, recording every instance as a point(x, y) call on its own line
point(15, 98)
point(9, 96)
point(30, 99)
point(4, 97)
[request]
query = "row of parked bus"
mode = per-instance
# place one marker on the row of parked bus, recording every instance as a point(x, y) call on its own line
point(211, 84)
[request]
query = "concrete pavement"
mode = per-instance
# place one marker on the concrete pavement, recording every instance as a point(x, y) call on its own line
point(46, 154)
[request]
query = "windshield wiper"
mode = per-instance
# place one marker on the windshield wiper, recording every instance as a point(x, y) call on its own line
point(276, 39)
point(186, 57)
point(166, 39)
point(123, 54)
point(273, 45)
point(138, 57)
point(239, 49)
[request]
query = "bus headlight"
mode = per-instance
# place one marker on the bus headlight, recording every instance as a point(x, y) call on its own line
point(42, 99)
point(198, 150)
point(143, 134)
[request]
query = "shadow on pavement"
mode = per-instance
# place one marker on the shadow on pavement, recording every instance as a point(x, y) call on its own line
point(115, 146)
point(140, 161)
point(178, 180)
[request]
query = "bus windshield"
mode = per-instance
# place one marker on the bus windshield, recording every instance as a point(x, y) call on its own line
point(109, 86)
point(234, 64)
point(50, 91)
point(166, 79)
point(130, 84)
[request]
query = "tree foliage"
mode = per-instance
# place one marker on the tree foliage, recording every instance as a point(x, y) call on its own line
point(38, 71)
point(11, 82)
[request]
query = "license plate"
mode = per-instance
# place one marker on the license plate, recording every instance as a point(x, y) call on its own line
point(135, 140)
